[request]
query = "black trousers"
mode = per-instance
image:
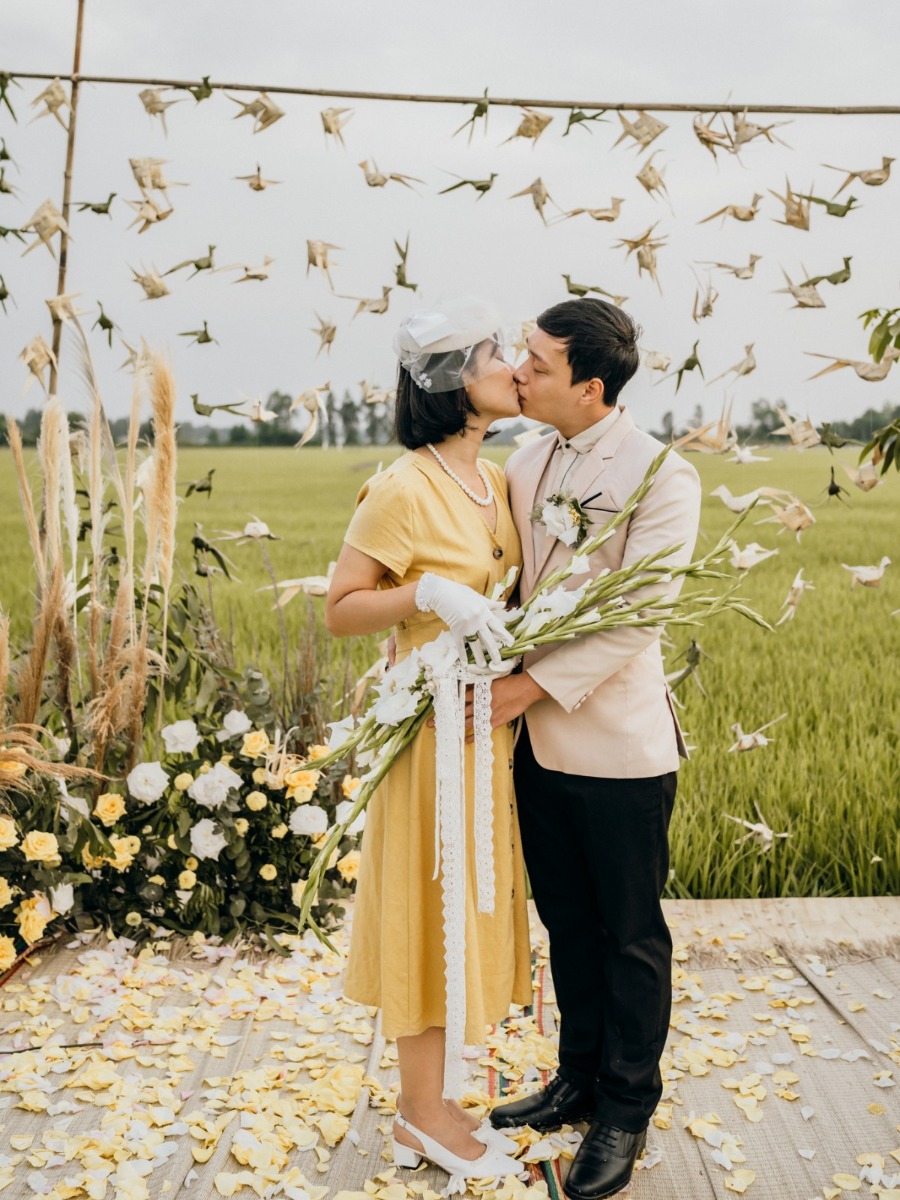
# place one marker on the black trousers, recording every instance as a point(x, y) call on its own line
point(597, 854)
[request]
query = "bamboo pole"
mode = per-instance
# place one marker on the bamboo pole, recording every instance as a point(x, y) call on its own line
point(67, 191)
point(510, 101)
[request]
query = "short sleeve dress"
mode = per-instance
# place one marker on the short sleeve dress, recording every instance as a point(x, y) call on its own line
point(414, 518)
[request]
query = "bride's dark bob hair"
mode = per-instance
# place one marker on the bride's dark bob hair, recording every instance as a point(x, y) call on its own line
point(421, 417)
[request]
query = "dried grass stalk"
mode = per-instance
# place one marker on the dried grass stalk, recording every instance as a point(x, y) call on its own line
point(15, 445)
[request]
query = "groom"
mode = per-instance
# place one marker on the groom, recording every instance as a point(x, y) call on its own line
point(597, 756)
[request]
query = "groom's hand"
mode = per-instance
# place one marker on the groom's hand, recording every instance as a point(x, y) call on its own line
point(510, 696)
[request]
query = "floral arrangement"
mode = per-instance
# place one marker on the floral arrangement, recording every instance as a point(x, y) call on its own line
point(554, 613)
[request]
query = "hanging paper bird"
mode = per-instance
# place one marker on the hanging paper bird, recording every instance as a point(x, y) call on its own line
point(703, 300)
point(152, 282)
point(479, 113)
point(200, 91)
point(378, 179)
point(46, 222)
point(745, 131)
point(539, 195)
point(107, 325)
point(255, 181)
point(646, 247)
point(745, 455)
point(481, 186)
point(266, 114)
point(400, 268)
point(201, 337)
point(201, 486)
point(841, 275)
point(794, 596)
point(582, 289)
point(377, 306)
point(796, 207)
point(203, 263)
point(333, 122)
point(864, 477)
point(317, 256)
point(578, 117)
point(5, 294)
point(311, 401)
point(54, 98)
point(691, 363)
point(740, 212)
point(651, 179)
point(744, 367)
point(155, 106)
point(869, 372)
point(149, 212)
point(711, 139)
point(6, 188)
point(874, 177)
point(656, 360)
point(598, 214)
point(759, 831)
point(834, 441)
point(37, 356)
point(692, 654)
point(834, 491)
point(62, 308)
point(831, 208)
point(751, 556)
point(644, 130)
point(5, 231)
point(150, 177)
point(738, 272)
point(755, 740)
point(532, 125)
point(793, 515)
point(6, 80)
point(325, 331)
point(258, 273)
point(803, 433)
point(101, 207)
point(805, 294)
point(870, 577)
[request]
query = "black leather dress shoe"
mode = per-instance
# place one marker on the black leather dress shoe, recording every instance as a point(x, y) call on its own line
point(559, 1103)
point(604, 1162)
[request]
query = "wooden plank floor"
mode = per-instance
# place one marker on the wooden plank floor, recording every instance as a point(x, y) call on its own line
point(782, 1059)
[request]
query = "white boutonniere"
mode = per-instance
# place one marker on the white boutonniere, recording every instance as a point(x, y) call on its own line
point(564, 517)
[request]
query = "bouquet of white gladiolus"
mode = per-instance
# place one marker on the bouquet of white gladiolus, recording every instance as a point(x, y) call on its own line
point(553, 613)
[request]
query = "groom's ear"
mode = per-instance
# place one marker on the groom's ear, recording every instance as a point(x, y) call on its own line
point(593, 392)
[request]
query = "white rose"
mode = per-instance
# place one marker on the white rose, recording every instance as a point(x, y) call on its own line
point(62, 897)
point(395, 707)
point(181, 738)
point(234, 724)
point(207, 839)
point(147, 782)
point(342, 812)
point(211, 789)
point(308, 819)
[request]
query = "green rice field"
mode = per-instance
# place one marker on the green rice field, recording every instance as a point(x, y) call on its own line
point(830, 778)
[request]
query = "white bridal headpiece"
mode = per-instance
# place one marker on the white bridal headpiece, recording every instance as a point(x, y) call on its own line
point(437, 345)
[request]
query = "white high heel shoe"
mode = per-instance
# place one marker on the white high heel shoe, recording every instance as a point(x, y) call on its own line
point(489, 1164)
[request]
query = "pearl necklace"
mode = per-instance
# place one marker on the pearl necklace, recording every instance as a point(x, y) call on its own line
point(487, 499)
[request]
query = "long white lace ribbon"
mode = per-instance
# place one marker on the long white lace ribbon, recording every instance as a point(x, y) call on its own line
point(450, 839)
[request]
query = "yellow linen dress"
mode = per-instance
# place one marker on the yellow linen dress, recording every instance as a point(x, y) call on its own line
point(414, 518)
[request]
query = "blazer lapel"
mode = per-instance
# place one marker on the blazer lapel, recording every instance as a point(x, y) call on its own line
point(584, 480)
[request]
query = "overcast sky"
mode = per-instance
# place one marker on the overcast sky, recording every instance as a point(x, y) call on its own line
point(805, 52)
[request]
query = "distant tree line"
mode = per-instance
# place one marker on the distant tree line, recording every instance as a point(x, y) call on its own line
point(349, 421)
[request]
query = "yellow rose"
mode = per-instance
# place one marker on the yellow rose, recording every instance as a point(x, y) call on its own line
point(12, 766)
point(124, 856)
point(42, 847)
point(268, 871)
point(204, 767)
point(132, 843)
point(300, 795)
point(297, 891)
point(158, 879)
point(191, 863)
point(302, 778)
point(91, 861)
point(226, 757)
point(171, 843)
point(279, 831)
point(256, 801)
point(133, 918)
point(348, 785)
point(187, 879)
point(320, 839)
point(241, 826)
point(349, 865)
point(256, 742)
point(260, 775)
point(109, 807)
point(9, 836)
point(317, 752)
point(34, 915)
point(183, 781)
point(7, 953)
point(5, 892)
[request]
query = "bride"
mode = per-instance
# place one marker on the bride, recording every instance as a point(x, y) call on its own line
point(429, 539)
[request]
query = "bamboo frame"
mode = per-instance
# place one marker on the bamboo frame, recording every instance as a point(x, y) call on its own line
point(510, 101)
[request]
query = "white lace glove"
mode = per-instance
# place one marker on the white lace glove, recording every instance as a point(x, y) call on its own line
point(473, 619)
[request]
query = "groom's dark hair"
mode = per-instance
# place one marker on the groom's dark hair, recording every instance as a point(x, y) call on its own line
point(601, 341)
